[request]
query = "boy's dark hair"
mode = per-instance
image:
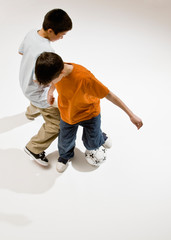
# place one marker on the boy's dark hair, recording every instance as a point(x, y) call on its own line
point(48, 67)
point(58, 20)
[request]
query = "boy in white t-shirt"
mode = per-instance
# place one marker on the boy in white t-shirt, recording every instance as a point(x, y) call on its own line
point(55, 25)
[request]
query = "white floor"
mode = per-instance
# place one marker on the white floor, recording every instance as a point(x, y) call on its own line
point(126, 44)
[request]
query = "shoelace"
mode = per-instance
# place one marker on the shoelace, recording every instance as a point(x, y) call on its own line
point(42, 155)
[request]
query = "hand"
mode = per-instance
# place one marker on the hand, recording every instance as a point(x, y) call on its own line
point(50, 99)
point(136, 121)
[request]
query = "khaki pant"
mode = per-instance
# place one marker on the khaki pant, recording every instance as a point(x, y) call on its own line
point(49, 130)
point(32, 112)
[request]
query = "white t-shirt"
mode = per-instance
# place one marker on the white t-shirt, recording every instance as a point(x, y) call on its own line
point(31, 47)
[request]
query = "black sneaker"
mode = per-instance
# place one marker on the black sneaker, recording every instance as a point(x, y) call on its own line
point(39, 158)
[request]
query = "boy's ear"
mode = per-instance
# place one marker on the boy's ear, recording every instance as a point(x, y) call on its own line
point(50, 31)
point(35, 80)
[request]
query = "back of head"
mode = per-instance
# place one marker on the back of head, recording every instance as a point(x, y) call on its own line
point(48, 67)
point(58, 20)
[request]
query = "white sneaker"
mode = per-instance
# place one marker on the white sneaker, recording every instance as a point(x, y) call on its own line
point(61, 167)
point(108, 142)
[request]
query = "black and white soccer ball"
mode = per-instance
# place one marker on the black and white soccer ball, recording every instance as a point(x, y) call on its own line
point(96, 157)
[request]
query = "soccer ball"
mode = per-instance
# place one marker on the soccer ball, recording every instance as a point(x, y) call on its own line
point(96, 157)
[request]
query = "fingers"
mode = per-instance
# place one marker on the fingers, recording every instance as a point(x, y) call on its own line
point(139, 124)
point(52, 100)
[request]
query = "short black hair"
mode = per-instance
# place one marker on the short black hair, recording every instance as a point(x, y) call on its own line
point(48, 67)
point(58, 20)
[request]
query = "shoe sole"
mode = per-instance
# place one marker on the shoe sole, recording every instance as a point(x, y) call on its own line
point(35, 159)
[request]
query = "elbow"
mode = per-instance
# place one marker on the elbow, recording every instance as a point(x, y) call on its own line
point(108, 96)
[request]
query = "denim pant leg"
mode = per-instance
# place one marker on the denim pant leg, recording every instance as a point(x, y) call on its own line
point(66, 141)
point(93, 136)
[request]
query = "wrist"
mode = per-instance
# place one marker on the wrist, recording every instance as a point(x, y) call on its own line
point(130, 114)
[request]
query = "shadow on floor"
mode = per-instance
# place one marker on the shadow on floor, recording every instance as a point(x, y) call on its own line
point(22, 175)
point(14, 219)
point(78, 162)
point(11, 122)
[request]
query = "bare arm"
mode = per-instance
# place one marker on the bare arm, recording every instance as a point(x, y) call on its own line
point(20, 53)
point(118, 102)
point(50, 97)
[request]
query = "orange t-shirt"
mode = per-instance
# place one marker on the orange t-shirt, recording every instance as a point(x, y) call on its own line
point(79, 95)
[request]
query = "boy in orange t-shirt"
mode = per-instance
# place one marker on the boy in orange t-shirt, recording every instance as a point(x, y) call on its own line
point(79, 94)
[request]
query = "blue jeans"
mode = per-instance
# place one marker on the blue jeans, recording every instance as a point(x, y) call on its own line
point(92, 137)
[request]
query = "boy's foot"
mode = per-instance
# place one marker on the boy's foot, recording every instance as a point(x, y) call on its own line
point(32, 117)
point(39, 158)
point(108, 142)
point(29, 118)
point(61, 167)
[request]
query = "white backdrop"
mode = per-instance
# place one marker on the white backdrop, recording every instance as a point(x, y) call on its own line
point(126, 44)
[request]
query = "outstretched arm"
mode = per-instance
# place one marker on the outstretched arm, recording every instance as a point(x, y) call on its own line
point(50, 97)
point(118, 102)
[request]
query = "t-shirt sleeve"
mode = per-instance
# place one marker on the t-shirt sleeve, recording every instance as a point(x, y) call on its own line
point(94, 87)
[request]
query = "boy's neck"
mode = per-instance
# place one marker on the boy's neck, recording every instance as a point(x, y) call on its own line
point(43, 33)
point(68, 68)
